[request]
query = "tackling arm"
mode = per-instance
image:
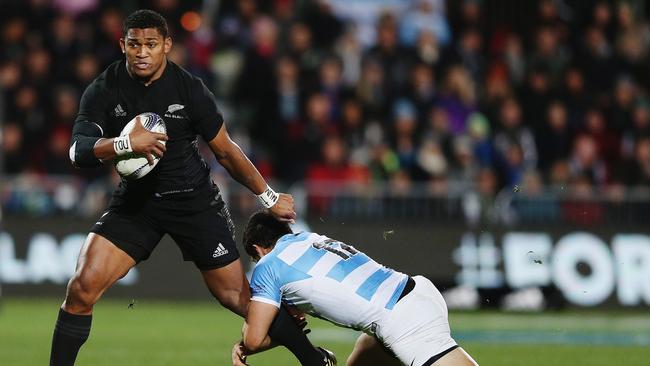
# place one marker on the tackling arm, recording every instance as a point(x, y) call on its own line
point(231, 157)
point(257, 325)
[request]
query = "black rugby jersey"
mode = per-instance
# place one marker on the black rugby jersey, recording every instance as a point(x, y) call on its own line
point(185, 104)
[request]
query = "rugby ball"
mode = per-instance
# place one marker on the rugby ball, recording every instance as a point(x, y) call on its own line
point(136, 166)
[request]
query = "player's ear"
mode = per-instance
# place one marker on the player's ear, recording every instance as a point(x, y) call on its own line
point(122, 45)
point(259, 251)
point(168, 44)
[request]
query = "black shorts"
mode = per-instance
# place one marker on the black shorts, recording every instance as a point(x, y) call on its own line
point(205, 236)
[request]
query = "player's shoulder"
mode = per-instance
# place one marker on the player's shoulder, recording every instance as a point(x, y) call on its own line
point(265, 270)
point(110, 75)
point(103, 85)
point(183, 76)
point(107, 80)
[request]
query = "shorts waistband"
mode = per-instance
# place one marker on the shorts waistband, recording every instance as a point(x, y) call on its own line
point(440, 355)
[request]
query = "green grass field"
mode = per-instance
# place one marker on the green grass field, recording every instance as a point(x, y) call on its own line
point(201, 333)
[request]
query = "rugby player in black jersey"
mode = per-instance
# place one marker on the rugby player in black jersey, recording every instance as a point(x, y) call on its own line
point(177, 198)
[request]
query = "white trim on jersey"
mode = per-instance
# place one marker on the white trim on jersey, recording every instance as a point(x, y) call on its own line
point(266, 301)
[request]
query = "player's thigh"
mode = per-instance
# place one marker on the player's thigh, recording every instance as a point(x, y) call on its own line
point(369, 352)
point(457, 357)
point(117, 241)
point(100, 264)
point(133, 231)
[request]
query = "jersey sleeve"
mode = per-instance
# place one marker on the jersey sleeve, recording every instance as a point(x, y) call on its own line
point(88, 127)
point(265, 286)
point(207, 118)
point(92, 107)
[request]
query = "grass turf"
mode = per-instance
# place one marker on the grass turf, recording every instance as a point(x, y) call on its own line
point(201, 333)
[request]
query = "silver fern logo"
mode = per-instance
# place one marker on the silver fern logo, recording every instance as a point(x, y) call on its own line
point(174, 107)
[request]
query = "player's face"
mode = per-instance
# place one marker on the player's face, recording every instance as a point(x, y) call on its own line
point(145, 50)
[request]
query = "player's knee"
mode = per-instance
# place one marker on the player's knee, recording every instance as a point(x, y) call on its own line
point(81, 295)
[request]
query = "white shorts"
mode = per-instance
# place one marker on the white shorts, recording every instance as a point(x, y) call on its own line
point(417, 328)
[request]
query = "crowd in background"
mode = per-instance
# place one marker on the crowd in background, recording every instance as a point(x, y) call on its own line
point(449, 95)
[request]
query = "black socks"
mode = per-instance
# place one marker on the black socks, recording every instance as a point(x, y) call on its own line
point(70, 333)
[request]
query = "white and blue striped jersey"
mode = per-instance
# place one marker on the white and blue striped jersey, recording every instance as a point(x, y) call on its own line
point(327, 279)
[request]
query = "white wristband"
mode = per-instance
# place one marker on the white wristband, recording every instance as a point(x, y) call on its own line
point(122, 145)
point(268, 197)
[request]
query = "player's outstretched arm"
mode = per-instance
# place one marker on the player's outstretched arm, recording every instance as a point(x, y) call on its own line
point(231, 157)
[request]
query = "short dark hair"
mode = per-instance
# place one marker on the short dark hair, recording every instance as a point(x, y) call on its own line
point(145, 18)
point(263, 229)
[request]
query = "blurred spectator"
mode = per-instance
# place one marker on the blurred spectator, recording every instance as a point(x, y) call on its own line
point(471, 15)
point(640, 128)
point(56, 159)
point(458, 97)
point(425, 15)
point(585, 164)
point(354, 130)
point(324, 24)
point(330, 83)
point(597, 61)
point(479, 205)
point(436, 145)
point(395, 58)
point(535, 97)
point(533, 204)
point(300, 47)
point(469, 53)
point(465, 167)
point(350, 52)
point(86, 69)
point(623, 103)
point(549, 54)
point(608, 140)
point(403, 135)
point(478, 129)
point(575, 95)
point(428, 50)
point(333, 168)
point(555, 138)
point(637, 171)
point(515, 59)
point(514, 133)
point(236, 26)
point(363, 14)
point(13, 149)
point(370, 90)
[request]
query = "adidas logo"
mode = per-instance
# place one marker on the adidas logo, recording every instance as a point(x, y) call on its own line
point(119, 111)
point(221, 250)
